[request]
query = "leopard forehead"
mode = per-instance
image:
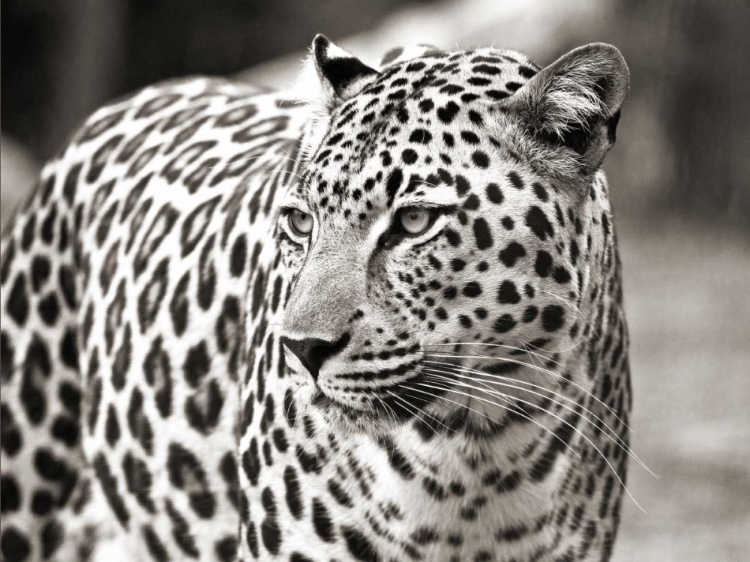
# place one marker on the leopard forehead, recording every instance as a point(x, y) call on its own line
point(422, 123)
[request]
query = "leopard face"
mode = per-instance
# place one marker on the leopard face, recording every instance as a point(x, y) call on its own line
point(440, 236)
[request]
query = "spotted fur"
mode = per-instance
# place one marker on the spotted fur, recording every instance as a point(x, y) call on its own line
point(178, 362)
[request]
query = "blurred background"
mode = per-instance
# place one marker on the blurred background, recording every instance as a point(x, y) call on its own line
point(679, 175)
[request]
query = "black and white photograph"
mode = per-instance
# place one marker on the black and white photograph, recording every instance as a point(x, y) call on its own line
point(375, 281)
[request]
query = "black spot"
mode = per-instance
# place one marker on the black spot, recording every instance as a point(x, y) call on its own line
point(138, 480)
point(543, 263)
point(150, 300)
point(109, 487)
point(512, 253)
point(395, 179)
point(496, 94)
point(504, 324)
point(197, 364)
point(181, 532)
point(432, 487)
point(179, 305)
point(359, 545)
point(507, 293)
point(469, 137)
point(155, 547)
point(561, 275)
point(540, 192)
point(187, 474)
point(530, 314)
point(447, 113)
point(14, 545)
point(40, 271)
point(480, 159)
point(28, 233)
point(463, 186)
point(7, 352)
point(51, 537)
point(453, 237)
point(465, 321)
point(251, 462)
point(553, 317)
point(339, 494)
point(397, 459)
point(421, 136)
point(537, 221)
point(36, 371)
point(238, 257)
point(482, 234)
point(471, 203)
point(269, 528)
point(226, 549)
point(515, 180)
point(138, 423)
point(66, 429)
point(42, 502)
point(112, 427)
point(293, 492)
point(157, 369)
point(18, 302)
point(562, 436)
point(425, 535)
point(472, 289)
point(69, 349)
point(409, 156)
point(494, 193)
point(10, 494)
point(121, 365)
point(322, 521)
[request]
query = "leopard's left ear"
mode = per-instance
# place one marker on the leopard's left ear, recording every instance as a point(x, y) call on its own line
point(575, 102)
point(331, 75)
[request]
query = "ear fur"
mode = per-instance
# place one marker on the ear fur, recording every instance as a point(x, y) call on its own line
point(329, 77)
point(575, 102)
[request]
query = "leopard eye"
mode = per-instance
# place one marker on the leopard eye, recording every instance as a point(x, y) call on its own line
point(301, 223)
point(415, 220)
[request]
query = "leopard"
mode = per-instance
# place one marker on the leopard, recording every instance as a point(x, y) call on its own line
point(377, 316)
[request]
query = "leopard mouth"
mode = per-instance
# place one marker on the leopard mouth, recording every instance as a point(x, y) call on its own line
point(385, 403)
point(322, 400)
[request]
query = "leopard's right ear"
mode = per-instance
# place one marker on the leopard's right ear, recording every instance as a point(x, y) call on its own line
point(331, 76)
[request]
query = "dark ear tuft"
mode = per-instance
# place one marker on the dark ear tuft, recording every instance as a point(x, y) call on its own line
point(575, 102)
point(343, 74)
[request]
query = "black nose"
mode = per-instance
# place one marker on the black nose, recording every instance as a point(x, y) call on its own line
point(312, 352)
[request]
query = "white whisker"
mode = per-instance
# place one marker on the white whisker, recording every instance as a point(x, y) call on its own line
point(574, 428)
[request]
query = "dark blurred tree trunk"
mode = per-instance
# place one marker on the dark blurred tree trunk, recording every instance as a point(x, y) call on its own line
point(705, 99)
point(710, 106)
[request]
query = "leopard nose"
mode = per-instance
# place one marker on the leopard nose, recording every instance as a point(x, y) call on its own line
point(313, 352)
